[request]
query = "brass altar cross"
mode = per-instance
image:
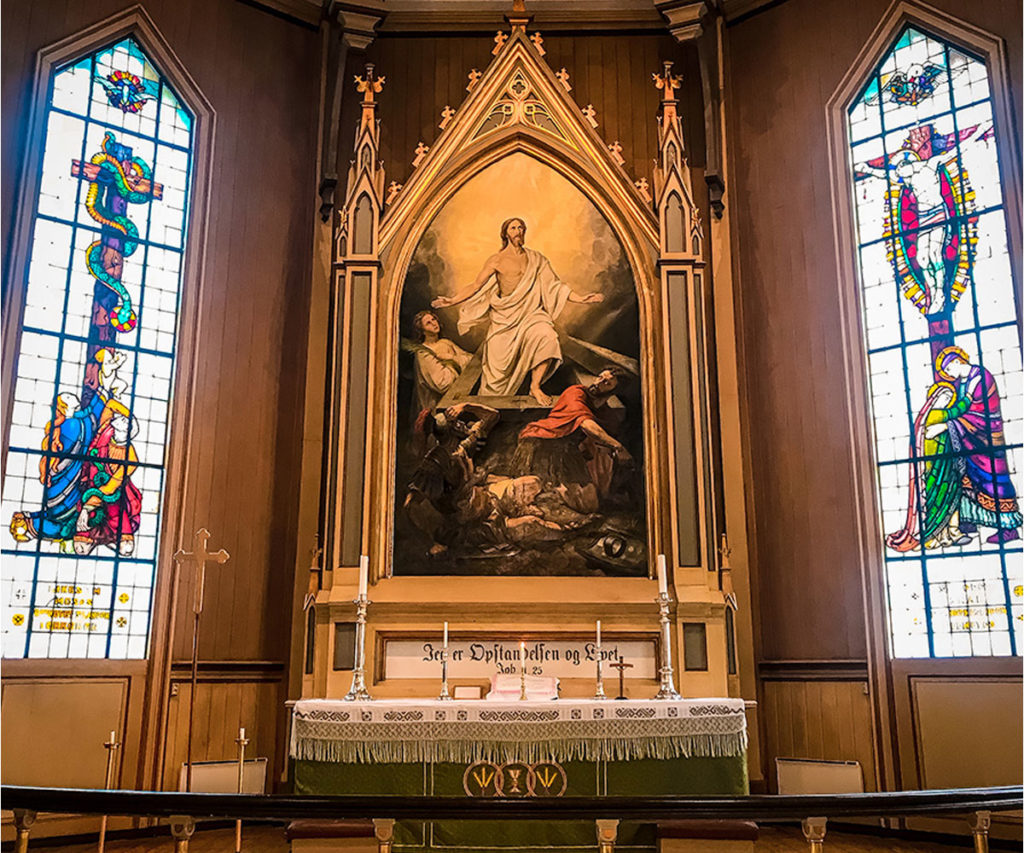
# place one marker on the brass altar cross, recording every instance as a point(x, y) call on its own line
point(621, 666)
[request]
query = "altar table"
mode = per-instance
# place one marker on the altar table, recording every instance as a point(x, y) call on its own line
point(556, 748)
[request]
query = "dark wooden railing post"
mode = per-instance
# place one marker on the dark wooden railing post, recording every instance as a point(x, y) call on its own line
point(979, 822)
point(607, 833)
point(814, 832)
point(182, 827)
point(23, 820)
point(384, 832)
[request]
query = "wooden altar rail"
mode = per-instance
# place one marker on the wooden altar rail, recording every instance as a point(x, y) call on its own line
point(182, 808)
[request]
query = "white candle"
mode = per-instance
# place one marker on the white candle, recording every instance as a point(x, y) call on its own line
point(113, 737)
point(364, 574)
point(241, 733)
point(446, 635)
point(662, 575)
point(599, 633)
point(522, 655)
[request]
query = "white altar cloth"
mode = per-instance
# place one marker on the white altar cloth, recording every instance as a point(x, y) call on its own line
point(417, 730)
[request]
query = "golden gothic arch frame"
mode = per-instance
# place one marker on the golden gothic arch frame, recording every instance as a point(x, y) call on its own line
point(667, 286)
point(635, 231)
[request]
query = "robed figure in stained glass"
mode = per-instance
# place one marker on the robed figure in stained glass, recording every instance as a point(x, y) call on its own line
point(962, 480)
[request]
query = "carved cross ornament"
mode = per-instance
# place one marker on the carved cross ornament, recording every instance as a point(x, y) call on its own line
point(589, 112)
point(563, 78)
point(473, 76)
point(421, 152)
point(369, 85)
point(643, 188)
point(616, 149)
point(499, 41)
point(446, 116)
point(538, 42)
point(394, 188)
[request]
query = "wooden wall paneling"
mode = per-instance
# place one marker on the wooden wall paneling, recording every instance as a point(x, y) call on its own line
point(222, 706)
point(817, 719)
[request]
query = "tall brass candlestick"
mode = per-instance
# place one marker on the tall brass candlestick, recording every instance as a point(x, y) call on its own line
point(241, 740)
point(599, 692)
point(444, 697)
point(358, 689)
point(110, 746)
point(522, 672)
point(668, 688)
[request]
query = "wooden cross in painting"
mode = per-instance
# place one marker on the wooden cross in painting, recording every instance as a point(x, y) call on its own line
point(116, 179)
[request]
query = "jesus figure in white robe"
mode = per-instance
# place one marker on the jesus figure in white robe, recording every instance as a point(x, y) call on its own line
point(520, 296)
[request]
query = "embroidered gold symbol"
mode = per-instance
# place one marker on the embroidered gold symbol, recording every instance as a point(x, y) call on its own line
point(515, 779)
point(548, 779)
point(482, 779)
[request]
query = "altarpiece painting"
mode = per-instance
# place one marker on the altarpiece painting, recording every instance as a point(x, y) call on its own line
point(519, 445)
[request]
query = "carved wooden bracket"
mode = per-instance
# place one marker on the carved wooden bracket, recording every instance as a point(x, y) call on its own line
point(345, 26)
point(700, 21)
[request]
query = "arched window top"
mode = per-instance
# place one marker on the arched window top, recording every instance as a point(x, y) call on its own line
point(84, 482)
point(943, 349)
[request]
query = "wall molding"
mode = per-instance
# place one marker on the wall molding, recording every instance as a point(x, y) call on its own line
point(813, 670)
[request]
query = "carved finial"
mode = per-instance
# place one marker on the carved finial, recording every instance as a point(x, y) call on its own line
point(538, 42)
point(616, 149)
point(421, 152)
point(313, 583)
point(725, 551)
point(589, 112)
point(369, 85)
point(519, 17)
point(446, 117)
point(666, 81)
point(499, 42)
point(473, 76)
point(563, 78)
point(394, 188)
point(642, 186)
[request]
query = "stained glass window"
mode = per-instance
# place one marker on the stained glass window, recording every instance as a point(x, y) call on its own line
point(944, 355)
point(85, 463)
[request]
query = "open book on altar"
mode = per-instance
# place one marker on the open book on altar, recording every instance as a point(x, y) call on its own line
point(506, 688)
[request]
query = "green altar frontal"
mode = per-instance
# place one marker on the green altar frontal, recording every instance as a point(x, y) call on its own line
point(525, 749)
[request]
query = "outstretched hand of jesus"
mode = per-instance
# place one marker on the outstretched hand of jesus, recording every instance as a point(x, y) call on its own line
point(587, 299)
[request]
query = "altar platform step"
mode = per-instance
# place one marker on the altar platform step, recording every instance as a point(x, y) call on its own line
point(707, 836)
point(339, 836)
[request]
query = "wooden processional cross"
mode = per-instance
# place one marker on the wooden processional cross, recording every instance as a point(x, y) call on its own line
point(109, 208)
point(199, 557)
